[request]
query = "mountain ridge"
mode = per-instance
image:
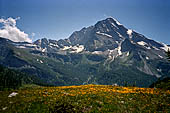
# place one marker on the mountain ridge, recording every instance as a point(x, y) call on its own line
point(106, 52)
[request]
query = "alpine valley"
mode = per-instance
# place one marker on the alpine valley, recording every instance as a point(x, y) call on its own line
point(105, 53)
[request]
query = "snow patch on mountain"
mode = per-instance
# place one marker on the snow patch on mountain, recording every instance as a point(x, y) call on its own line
point(107, 30)
point(114, 25)
point(54, 45)
point(21, 47)
point(117, 22)
point(112, 54)
point(44, 50)
point(97, 52)
point(155, 48)
point(119, 34)
point(111, 58)
point(160, 56)
point(159, 70)
point(129, 32)
point(110, 51)
point(66, 47)
point(165, 47)
point(40, 61)
point(104, 34)
point(147, 58)
point(119, 50)
point(77, 49)
point(30, 45)
point(74, 49)
point(148, 47)
point(142, 43)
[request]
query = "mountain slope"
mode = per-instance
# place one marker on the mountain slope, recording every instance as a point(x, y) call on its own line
point(105, 53)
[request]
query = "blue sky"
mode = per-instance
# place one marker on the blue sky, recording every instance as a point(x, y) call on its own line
point(56, 19)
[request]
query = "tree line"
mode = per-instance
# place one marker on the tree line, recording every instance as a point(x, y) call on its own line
point(12, 79)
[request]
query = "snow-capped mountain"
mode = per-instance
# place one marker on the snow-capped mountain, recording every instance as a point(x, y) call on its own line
point(105, 35)
point(106, 52)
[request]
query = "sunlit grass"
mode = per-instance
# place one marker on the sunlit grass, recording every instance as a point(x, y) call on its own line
point(86, 98)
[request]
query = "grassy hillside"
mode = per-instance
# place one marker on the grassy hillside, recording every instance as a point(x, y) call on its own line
point(85, 98)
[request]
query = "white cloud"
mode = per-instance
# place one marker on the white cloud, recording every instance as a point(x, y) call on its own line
point(10, 31)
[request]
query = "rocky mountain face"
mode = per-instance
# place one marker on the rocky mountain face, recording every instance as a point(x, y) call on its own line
point(105, 53)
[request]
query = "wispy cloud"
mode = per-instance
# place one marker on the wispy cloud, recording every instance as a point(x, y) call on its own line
point(10, 31)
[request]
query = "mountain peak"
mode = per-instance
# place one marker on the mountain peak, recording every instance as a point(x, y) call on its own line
point(110, 24)
point(109, 20)
point(113, 19)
